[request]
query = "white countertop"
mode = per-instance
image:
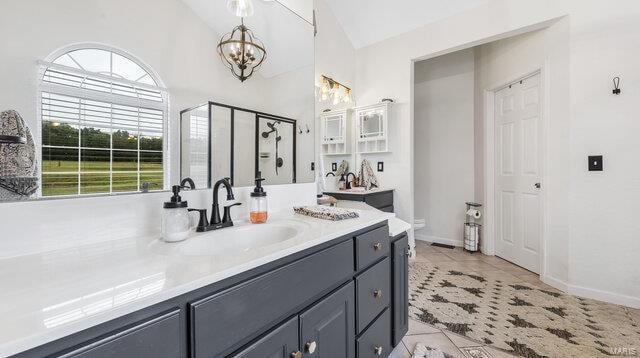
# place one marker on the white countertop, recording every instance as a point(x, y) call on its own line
point(50, 295)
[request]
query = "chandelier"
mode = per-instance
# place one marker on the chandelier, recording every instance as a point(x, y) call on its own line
point(334, 90)
point(241, 51)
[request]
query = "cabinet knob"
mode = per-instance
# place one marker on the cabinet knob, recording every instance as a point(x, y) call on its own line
point(378, 350)
point(311, 347)
point(377, 246)
point(377, 293)
point(297, 354)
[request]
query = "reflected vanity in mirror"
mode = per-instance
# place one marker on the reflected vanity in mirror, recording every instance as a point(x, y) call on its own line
point(104, 111)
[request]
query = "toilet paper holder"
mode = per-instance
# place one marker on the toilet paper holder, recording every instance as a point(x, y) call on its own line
point(472, 228)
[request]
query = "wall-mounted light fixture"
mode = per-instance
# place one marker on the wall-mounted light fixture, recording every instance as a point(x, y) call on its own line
point(333, 90)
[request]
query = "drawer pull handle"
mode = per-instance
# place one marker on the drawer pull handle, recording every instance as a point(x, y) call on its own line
point(377, 293)
point(378, 350)
point(377, 246)
point(297, 354)
point(311, 347)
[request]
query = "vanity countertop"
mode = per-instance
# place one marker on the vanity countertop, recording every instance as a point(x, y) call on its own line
point(53, 294)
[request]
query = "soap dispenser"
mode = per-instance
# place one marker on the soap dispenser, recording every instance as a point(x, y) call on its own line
point(258, 207)
point(175, 217)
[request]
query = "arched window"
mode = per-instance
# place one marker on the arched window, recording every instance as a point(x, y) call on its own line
point(103, 117)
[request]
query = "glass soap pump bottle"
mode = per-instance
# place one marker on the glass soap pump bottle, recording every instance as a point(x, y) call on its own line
point(258, 207)
point(175, 217)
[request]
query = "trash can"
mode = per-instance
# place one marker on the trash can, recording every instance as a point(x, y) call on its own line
point(472, 233)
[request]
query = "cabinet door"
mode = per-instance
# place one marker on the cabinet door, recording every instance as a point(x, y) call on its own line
point(400, 279)
point(327, 329)
point(160, 337)
point(282, 342)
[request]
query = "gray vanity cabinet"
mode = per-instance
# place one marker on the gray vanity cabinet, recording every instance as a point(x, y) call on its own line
point(346, 298)
point(327, 328)
point(381, 200)
point(400, 282)
point(279, 343)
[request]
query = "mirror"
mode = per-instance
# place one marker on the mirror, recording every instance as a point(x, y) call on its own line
point(371, 125)
point(110, 100)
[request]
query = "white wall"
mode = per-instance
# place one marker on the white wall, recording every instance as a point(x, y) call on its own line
point(500, 62)
point(444, 144)
point(596, 223)
point(335, 57)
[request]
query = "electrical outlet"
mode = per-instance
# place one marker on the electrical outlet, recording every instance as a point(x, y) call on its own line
point(313, 166)
point(596, 163)
point(334, 167)
point(380, 166)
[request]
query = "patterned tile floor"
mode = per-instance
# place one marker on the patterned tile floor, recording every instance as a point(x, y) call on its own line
point(450, 343)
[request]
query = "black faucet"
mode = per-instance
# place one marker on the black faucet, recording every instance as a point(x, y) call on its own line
point(330, 173)
point(348, 184)
point(216, 222)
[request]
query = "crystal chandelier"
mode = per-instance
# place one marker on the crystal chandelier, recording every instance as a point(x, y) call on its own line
point(241, 51)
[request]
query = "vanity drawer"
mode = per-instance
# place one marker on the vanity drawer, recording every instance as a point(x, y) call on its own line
point(159, 337)
point(373, 291)
point(376, 341)
point(222, 322)
point(371, 246)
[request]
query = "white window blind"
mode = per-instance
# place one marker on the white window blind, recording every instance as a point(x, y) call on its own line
point(102, 132)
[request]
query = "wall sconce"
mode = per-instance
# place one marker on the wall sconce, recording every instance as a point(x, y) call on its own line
point(334, 90)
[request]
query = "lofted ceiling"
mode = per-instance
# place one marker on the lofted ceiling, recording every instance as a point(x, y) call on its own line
point(287, 37)
point(369, 21)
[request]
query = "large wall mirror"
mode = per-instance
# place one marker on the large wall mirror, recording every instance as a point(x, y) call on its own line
point(131, 96)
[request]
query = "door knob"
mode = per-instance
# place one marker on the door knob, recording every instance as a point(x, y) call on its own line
point(377, 293)
point(297, 354)
point(377, 246)
point(378, 350)
point(311, 347)
point(537, 185)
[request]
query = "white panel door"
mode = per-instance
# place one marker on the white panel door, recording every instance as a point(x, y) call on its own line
point(518, 192)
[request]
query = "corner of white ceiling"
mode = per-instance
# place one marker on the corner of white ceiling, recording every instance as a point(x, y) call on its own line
point(304, 8)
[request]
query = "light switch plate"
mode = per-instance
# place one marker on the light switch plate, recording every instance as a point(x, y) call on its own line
point(380, 166)
point(596, 163)
point(334, 167)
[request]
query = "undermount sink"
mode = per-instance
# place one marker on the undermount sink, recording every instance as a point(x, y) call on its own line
point(238, 239)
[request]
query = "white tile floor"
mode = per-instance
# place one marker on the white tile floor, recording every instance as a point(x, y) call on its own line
point(448, 342)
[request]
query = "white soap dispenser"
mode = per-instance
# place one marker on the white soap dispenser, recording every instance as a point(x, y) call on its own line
point(175, 216)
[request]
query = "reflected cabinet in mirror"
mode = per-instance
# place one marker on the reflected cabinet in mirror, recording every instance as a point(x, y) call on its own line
point(100, 98)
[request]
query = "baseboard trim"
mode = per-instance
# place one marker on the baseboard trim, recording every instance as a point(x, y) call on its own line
point(556, 283)
point(592, 293)
point(629, 301)
point(440, 240)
